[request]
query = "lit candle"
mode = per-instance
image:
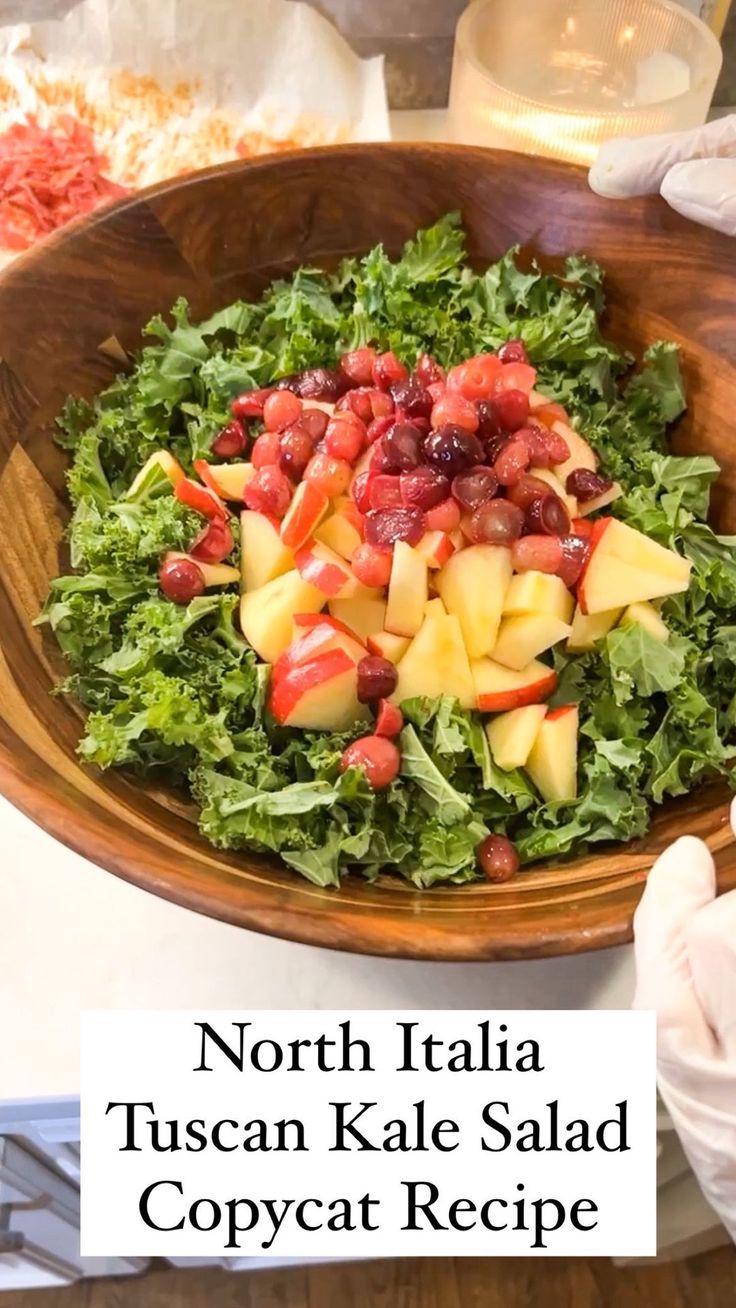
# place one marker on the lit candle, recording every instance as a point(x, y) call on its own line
point(558, 77)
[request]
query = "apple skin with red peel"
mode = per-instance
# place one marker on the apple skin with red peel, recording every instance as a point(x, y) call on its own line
point(320, 695)
point(319, 639)
point(323, 568)
point(306, 510)
point(500, 689)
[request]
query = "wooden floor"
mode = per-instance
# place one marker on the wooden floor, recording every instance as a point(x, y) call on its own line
point(708, 1281)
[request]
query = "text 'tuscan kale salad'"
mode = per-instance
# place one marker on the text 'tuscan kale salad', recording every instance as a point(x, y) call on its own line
point(393, 570)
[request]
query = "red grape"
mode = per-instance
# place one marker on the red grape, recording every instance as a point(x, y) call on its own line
point(475, 487)
point(547, 516)
point(424, 487)
point(528, 489)
point(250, 403)
point(377, 678)
point(454, 410)
point(511, 463)
point(314, 423)
point(537, 554)
point(371, 566)
point(345, 437)
point(475, 378)
point(497, 859)
point(269, 491)
point(496, 523)
point(488, 425)
point(266, 450)
point(384, 527)
point(231, 441)
point(181, 580)
point(513, 352)
point(331, 476)
point(401, 447)
point(387, 369)
point(320, 384)
point(389, 719)
point(575, 555)
point(512, 410)
point(587, 485)
point(384, 492)
point(281, 409)
point(545, 446)
point(378, 428)
point(453, 449)
point(378, 757)
point(444, 516)
point(297, 449)
point(429, 371)
point(412, 397)
point(214, 542)
point(357, 365)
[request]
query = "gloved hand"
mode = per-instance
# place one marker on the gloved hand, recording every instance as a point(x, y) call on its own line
point(685, 945)
point(694, 171)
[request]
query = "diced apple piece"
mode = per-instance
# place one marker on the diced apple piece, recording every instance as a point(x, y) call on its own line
point(587, 630)
point(436, 547)
point(364, 613)
point(608, 580)
point(321, 695)
point(407, 591)
point(215, 574)
point(582, 455)
point(318, 639)
point(263, 555)
point(436, 663)
point(648, 618)
point(614, 492)
point(162, 462)
point(553, 761)
point(266, 614)
point(303, 622)
point(473, 585)
point(512, 735)
point(340, 534)
point(229, 480)
point(522, 638)
point(498, 689)
point(633, 547)
point(306, 510)
point(436, 607)
point(548, 476)
point(626, 566)
point(323, 568)
point(538, 592)
point(388, 646)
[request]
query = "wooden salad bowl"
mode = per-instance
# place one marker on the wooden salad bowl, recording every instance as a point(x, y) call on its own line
point(226, 233)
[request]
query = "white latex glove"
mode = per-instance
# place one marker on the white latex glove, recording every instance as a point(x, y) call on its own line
point(685, 944)
point(694, 171)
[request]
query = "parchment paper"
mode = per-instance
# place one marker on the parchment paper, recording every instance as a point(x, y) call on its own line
point(172, 85)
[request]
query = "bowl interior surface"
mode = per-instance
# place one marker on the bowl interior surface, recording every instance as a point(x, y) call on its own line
point(226, 233)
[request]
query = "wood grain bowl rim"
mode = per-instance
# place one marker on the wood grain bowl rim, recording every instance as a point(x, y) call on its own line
point(295, 910)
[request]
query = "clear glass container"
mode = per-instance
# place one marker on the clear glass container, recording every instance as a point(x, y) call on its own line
point(558, 77)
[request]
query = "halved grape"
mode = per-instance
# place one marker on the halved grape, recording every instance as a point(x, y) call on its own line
point(453, 449)
point(547, 516)
point(497, 523)
point(384, 527)
point(475, 487)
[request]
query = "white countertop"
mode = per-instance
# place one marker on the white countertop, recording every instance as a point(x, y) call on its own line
point(75, 937)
